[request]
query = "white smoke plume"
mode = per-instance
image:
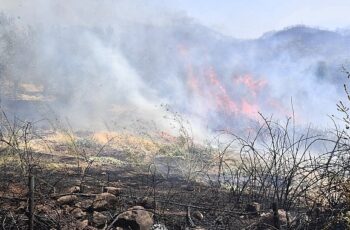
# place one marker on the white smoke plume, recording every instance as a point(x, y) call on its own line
point(98, 61)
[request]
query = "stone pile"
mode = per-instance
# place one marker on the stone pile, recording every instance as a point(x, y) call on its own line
point(95, 213)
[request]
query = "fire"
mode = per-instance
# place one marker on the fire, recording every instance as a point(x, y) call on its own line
point(223, 100)
point(254, 86)
point(248, 109)
point(215, 95)
point(192, 81)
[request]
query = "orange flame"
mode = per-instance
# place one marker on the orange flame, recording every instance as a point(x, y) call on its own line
point(207, 88)
point(249, 109)
point(254, 86)
point(223, 101)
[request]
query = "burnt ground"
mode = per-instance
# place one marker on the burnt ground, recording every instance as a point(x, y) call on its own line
point(169, 197)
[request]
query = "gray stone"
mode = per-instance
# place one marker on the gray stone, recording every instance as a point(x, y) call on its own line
point(113, 190)
point(85, 204)
point(80, 225)
point(99, 219)
point(198, 215)
point(78, 213)
point(74, 189)
point(135, 218)
point(105, 201)
point(69, 199)
point(267, 222)
point(148, 203)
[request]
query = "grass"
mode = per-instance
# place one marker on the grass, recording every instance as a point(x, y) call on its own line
point(106, 160)
point(9, 159)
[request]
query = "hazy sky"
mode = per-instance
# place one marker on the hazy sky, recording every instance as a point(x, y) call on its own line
point(240, 19)
point(250, 19)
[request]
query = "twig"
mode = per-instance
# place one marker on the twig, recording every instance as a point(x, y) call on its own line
point(113, 222)
point(189, 219)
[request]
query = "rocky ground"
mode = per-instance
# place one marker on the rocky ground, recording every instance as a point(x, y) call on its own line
point(110, 190)
point(121, 198)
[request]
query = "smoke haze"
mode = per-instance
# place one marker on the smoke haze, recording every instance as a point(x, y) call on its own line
point(99, 61)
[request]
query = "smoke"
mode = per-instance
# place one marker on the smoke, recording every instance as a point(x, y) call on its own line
point(94, 62)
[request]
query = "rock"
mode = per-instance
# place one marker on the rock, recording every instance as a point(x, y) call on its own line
point(85, 205)
point(105, 201)
point(198, 215)
point(78, 213)
point(135, 218)
point(67, 208)
point(74, 189)
point(253, 208)
point(112, 190)
point(49, 210)
point(136, 208)
point(148, 203)
point(41, 208)
point(99, 219)
point(81, 225)
point(101, 205)
point(107, 196)
point(69, 199)
point(267, 221)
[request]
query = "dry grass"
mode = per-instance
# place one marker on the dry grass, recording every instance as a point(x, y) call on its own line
point(122, 140)
point(32, 88)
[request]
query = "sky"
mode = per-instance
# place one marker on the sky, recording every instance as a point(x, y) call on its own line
point(251, 19)
point(239, 19)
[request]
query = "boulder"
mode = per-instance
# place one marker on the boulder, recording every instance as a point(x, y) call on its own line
point(43, 209)
point(148, 203)
point(135, 218)
point(81, 225)
point(198, 215)
point(67, 208)
point(49, 210)
point(137, 207)
point(67, 200)
point(101, 205)
point(74, 189)
point(267, 222)
point(85, 205)
point(99, 219)
point(112, 190)
point(78, 213)
point(105, 201)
